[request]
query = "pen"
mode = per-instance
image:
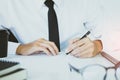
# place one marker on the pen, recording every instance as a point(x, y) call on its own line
point(80, 39)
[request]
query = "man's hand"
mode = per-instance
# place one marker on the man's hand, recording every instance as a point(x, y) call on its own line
point(84, 48)
point(40, 45)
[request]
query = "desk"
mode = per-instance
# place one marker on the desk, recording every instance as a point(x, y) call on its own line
point(43, 67)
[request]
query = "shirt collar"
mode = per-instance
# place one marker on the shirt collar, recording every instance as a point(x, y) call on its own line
point(58, 3)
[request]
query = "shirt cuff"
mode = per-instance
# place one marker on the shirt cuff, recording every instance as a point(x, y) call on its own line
point(12, 47)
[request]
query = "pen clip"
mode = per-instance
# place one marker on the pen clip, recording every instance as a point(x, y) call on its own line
point(85, 35)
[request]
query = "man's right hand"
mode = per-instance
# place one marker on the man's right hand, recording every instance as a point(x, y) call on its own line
point(40, 45)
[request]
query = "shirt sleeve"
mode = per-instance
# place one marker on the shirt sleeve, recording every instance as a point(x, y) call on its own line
point(12, 47)
point(93, 20)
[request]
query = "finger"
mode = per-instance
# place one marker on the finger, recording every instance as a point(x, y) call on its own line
point(70, 43)
point(83, 48)
point(83, 55)
point(52, 44)
point(86, 52)
point(42, 43)
point(83, 43)
point(75, 45)
point(49, 47)
point(77, 51)
point(30, 50)
point(78, 43)
point(43, 49)
point(73, 40)
point(54, 47)
point(41, 40)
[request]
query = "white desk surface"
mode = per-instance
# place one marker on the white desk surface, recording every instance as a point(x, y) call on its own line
point(43, 67)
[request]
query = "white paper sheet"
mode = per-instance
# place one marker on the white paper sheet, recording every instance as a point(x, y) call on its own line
point(43, 67)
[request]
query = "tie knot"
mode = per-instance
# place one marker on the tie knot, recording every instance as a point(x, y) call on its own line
point(49, 3)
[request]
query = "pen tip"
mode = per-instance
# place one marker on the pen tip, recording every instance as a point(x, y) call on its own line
point(67, 53)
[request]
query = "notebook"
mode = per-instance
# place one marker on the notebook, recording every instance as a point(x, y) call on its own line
point(19, 74)
point(8, 66)
point(113, 57)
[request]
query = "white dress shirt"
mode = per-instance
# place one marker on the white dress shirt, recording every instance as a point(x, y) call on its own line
point(28, 19)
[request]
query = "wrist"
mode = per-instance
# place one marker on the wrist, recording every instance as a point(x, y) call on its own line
point(19, 49)
point(98, 46)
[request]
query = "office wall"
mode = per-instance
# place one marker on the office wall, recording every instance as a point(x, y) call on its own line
point(111, 25)
point(111, 9)
point(3, 10)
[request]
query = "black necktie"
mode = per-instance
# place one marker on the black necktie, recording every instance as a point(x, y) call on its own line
point(52, 23)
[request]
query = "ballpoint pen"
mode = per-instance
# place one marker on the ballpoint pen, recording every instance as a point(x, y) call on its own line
point(80, 39)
